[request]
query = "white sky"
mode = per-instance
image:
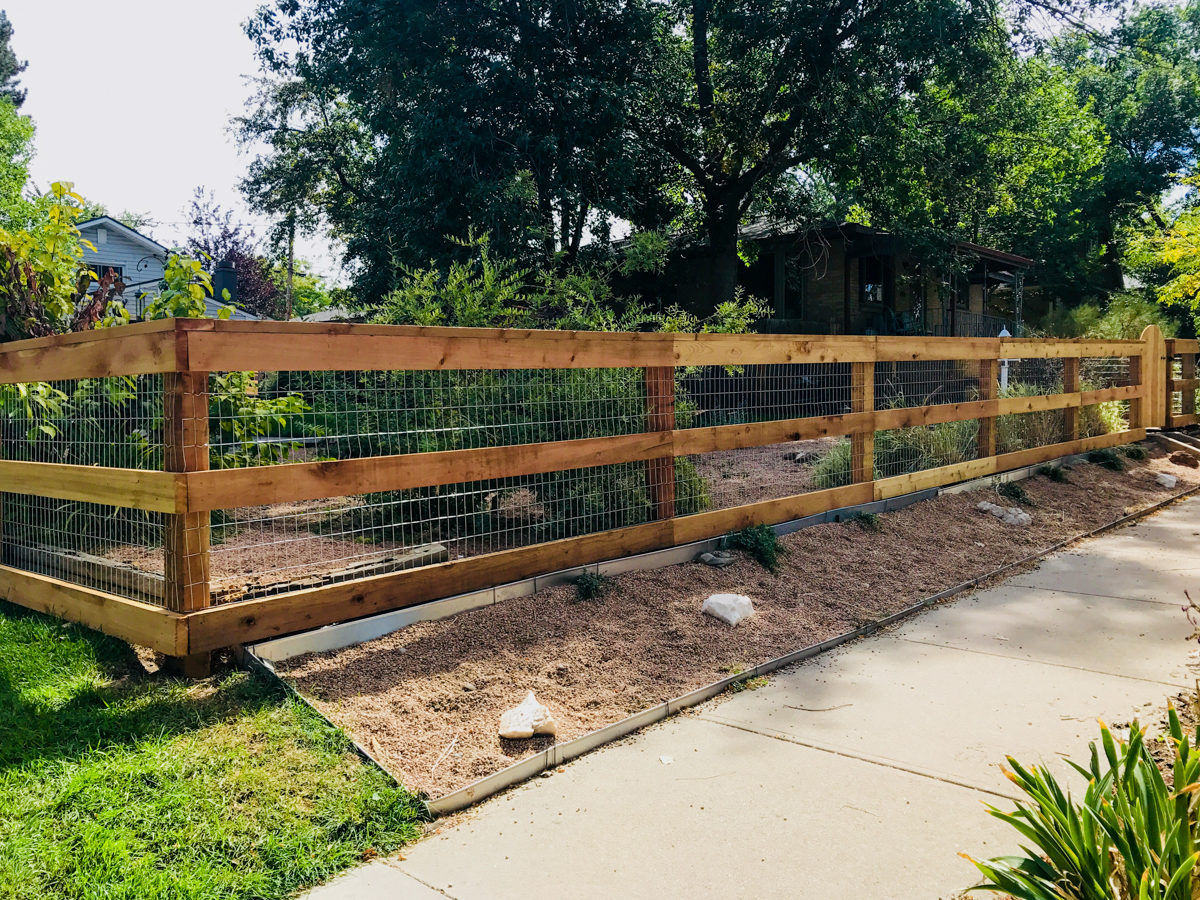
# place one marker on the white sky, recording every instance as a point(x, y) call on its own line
point(132, 101)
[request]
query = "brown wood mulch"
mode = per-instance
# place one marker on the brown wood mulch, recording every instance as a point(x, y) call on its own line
point(427, 700)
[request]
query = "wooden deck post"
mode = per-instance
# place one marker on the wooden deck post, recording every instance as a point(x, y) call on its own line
point(1071, 386)
point(862, 399)
point(989, 370)
point(660, 416)
point(186, 535)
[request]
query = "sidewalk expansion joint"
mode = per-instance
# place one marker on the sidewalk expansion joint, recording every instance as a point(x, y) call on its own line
point(860, 757)
point(1039, 587)
point(1040, 662)
point(423, 883)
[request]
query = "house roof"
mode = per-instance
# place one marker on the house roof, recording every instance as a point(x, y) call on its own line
point(126, 232)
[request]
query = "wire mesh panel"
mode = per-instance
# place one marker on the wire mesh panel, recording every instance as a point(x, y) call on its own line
point(115, 550)
point(903, 385)
point(282, 417)
point(288, 546)
point(113, 422)
point(735, 395)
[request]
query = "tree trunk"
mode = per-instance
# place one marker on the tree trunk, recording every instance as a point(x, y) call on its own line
point(725, 273)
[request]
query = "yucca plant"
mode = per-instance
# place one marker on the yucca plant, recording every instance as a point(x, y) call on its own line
point(1132, 838)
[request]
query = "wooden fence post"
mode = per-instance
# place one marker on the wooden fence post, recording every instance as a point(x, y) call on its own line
point(862, 399)
point(186, 535)
point(989, 370)
point(1071, 386)
point(660, 416)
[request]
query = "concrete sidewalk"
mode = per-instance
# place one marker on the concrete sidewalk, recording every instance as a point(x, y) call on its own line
point(858, 774)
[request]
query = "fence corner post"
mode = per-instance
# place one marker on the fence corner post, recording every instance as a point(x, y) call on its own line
point(1187, 372)
point(862, 444)
point(186, 535)
point(660, 416)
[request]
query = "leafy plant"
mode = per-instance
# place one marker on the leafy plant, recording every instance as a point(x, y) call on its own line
point(185, 287)
point(1107, 458)
point(1014, 491)
point(867, 521)
point(1131, 837)
point(248, 421)
point(1134, 451)
point(749, 684)
point(590, 585)
point(1057, 474)
point(760, 541)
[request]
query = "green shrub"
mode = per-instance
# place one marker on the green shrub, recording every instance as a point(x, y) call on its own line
point(1134, 451)
point(866, 521)
point(760, 542)
point(903, 450)
point(1014, 491)
point(1131, 836)
point(1057, 474)
point(590, 585)
point(1107, 458)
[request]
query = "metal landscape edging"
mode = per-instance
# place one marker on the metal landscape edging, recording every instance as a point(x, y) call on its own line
point(558, 754)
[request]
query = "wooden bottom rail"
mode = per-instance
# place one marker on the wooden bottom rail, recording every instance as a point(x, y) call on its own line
point(254, 620)
point(129, 620)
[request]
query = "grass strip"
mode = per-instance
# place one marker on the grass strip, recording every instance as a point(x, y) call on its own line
point(118, 784)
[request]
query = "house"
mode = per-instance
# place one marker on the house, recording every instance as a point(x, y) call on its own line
point(139, 261)
point(852, 279)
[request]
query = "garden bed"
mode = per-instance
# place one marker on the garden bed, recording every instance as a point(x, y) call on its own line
point(426, 700)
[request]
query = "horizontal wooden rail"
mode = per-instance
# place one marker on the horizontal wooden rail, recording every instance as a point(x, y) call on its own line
point(206, 345)
point(255, 620)
point(129, 620)
point(262, 485)
point(1177, 346)
point(130, 488)
point(1176, 385)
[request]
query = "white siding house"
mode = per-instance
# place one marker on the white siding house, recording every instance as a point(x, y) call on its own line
point(139, 261)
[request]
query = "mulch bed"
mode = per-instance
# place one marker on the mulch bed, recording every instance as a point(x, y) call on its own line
point(426, 700)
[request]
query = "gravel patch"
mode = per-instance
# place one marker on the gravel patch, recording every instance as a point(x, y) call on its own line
point(426, 700)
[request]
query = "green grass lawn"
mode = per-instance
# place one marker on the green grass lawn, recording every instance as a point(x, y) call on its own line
point(119, 784)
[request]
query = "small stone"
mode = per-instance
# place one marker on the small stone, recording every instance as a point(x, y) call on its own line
point(1167, 481)
point(1182, 458)
point(526, 720)
point(468, 687)
point(801, 457)
point(717, 559)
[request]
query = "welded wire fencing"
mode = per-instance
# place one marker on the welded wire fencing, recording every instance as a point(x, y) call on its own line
point(331, 476)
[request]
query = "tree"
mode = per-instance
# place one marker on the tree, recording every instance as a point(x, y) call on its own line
point(1142, 82)
point(215, 237)
point(10, 66)
point(16, 150)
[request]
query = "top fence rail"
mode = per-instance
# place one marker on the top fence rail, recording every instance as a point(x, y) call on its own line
point(205, 345)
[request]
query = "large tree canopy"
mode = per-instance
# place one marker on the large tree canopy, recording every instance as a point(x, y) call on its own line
point(403, 122)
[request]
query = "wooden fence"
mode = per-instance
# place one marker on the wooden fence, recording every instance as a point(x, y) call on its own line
point(184, 352)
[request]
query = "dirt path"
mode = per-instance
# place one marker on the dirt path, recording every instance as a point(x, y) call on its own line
point(441, 686)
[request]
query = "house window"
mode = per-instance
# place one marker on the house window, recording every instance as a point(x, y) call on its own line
point(100, 269)
point(871, 274)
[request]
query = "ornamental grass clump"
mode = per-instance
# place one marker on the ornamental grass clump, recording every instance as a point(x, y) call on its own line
point(1132, 836)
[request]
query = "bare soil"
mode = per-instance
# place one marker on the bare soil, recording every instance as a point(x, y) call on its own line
point(427, 700)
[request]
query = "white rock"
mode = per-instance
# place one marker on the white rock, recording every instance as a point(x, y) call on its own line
point(1167, 481)
point(731, 608)
point(528, 719)
point(1009, 516)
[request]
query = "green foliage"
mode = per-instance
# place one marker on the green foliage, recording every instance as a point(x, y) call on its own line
point(590, 586)
point(749, 684)
point(867, 521)
point(1014, 491)
point(760, 541)
point(185, 287)
point(1131, 836)
point(902, 450)
point(647, 252)
point(16, 150)
point(1124, 317)
point(1107, 458)
point(248, 421)
point(1134, 451)
point(123, 785)
point(1057, 474)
